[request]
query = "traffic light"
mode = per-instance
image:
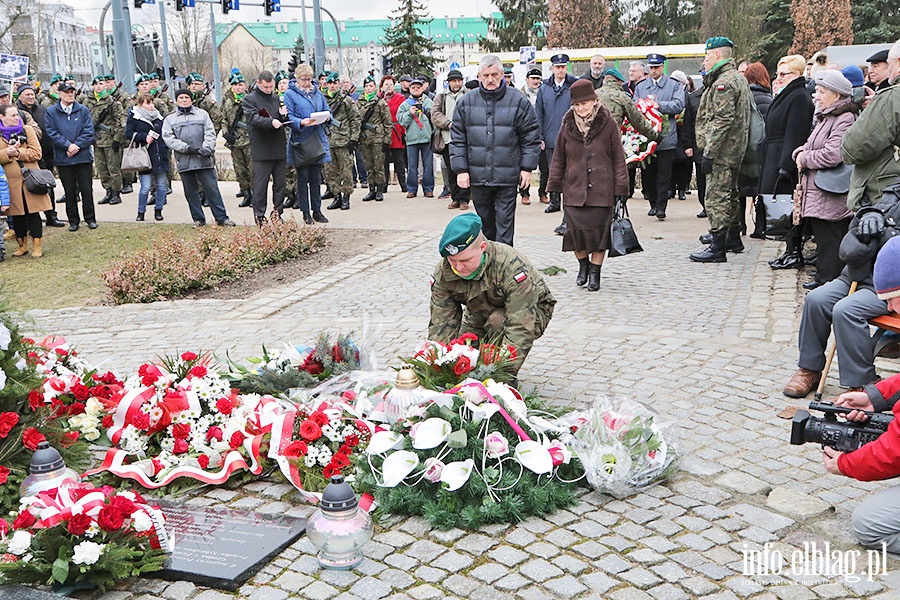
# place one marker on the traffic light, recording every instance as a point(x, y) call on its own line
point(226, 6)
point(138, 3)
point(179, 5)
point(385, 65)
point(272, 6)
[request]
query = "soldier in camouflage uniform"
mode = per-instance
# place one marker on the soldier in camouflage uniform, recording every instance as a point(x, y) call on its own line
point(51, 96)
point(620, 104)
point(723, 126)
point(115, 91)
point(108, 117)
point(343, 138)
point(487, 288)
point(234, 130)
point(282, 81)
point(374, 137)
point(202, 98)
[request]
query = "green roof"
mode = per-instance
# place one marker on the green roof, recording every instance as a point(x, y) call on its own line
point(281, 35)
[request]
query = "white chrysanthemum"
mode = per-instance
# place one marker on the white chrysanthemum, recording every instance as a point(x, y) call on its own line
point(141, 521)
point(5, 337)
point(92, 530)
point(310, 461)
point(19, 542)
point(325, 455)
point(87, 553)
point(333, 432)
point(21, 363)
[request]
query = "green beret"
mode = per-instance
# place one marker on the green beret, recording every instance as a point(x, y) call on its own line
point(333, 78)
point(460, 233)
point(236, 78)
point(193, 76)
point(68, 77)
point(281, 75)
point(145, 77)
point(369, 79)
point(614, 72)
point(56, 79)
point(97, 79)
point(718, 42)
point(109, 77)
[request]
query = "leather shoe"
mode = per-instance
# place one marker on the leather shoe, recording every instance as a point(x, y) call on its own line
point(660, 215)
point(802, 383)
point(787, 261)
point(92, 224)
point(428, 194)
point(552, 208)
point(526, 200)
point(453, 204)
point(544, 200)
point(73, 227)
point(811, 285)
point(560, 230)
point(702, 214)
point(54, 222)
point(891, 350)
point(652, 212)
point(410, 195)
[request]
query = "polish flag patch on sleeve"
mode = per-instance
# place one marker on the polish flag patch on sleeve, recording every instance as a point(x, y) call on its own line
point(520, 277)
point(431, 281)
point(720, 88)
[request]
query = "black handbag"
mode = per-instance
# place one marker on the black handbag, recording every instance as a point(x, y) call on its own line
point(308, 152)
point(622, 238)
point(779, 211)
point(835, 180)
point(37, 181)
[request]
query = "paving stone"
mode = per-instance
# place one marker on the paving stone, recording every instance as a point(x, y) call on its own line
point(209, 595)
point(370, 587)
point(613, 564)
point(452, 561)
point(396, 539)
point(542, 549)
point(591, 549)
point(570, 564)
point(397, 579)
point(698, 586)
point(640, 577)
point(598, 582)
point(476, 544)
point(266, 593)
point(796, 504)
point(425, 550)
point(430, 574)
point(507, 555)
point(742, 483)
point(566, 586)
point(447, 537)
point(762, 518)
point(488, 573)
point(667, 591)
point(319, 590)
point(401, 561)
point(512, 582)
point(179, 590)
point(458, 584)
point(589, 529)
point(539, 570)
point(339, 579)
point(563, 538)
point(424, 592)
point(520, 537)
point(630, 594)
point(646, 556)
point(291, 580)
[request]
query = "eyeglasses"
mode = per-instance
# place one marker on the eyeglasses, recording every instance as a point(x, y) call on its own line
point(781, 74)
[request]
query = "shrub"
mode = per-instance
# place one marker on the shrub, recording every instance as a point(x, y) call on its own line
point(174, 266)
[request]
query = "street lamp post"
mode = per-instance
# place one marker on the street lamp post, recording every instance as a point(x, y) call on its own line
point(463, 38)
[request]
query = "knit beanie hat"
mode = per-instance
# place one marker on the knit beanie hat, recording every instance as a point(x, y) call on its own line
point(854, 75)
point(835, 81)
point(582, 91)
point(886, 275)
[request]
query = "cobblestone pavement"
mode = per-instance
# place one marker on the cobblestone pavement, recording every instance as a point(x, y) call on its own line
point(709, 346)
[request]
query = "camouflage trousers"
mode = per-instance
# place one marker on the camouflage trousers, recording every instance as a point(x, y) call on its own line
point(373, 157)
point(109, 167)
point(339, 172)
point(240, 160)
point(290, 182)
point(722, 202)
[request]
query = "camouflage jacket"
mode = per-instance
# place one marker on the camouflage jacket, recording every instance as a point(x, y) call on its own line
point(377, 129)
point(620, 105)
point(47, 99)
point(723, 117)
point(509, 295)
point(208, 103)
point(231, 110)
point(872, 145)
point(345, 120)
point(111, 127)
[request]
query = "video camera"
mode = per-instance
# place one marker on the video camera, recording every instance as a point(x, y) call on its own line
point(845, 436)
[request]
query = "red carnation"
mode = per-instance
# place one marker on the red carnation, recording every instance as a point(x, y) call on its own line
point(329, 470)
point(35, 399)
point(69, 438)
point(319, 418)
point(157, 465)
point(4, 527)
point(312, 366)
point(336, 353)
point(224, 406)
point(107, 421)
point(31, 437)
point(237, 438)
point(513, 355)
point(149, 374)
point(214, 433)
point(76, 408)
point(340, 460)
point(123, 505)
point(349, 395)
point(203, 461)
point(110, 518)
point(180, 447)
point(463, 365)
point(352, 440)
point(80, 391)
point(310, 430)
point(61, 351)
point(188, 356)
point(296, 449)
point(4, 474)
point(24, 520)
point(108, 378)
point(8, 420)
point(198, 371)
point(140, 420)
point(181, 431)
point(79, 524)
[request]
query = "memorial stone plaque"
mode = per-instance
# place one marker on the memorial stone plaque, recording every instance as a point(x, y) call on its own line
point(223, 548)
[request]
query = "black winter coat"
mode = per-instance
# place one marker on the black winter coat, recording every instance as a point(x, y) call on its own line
point(136, 130)
point(788, 125)
point(494, 136)
point(687, 133)
point(266, 142)
point(762, 97)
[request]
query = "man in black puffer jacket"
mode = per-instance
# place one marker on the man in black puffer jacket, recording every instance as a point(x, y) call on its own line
point(495, 143)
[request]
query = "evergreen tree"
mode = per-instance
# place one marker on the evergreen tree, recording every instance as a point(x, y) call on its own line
point(875, 22)
point(635, 23)
point(776, 33)
point(410, 52)
point(522, 24)
point(820, 23)
point(578, 23)
point(740, 20)
point(297, 55)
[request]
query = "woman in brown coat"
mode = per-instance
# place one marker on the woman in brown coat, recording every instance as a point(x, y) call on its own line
point(589, 169)
point(19, 144)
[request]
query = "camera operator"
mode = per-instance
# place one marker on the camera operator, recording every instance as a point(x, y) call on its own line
point(877, 519)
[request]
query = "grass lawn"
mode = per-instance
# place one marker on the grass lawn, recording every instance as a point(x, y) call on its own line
point(69, 272)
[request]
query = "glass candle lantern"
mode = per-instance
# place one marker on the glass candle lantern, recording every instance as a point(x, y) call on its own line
point(339, 528)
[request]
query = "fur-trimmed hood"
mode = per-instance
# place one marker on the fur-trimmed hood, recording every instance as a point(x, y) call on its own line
point(603, 115)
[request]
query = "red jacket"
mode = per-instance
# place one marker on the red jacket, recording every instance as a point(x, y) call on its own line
point(879, 459)
point(398, 130)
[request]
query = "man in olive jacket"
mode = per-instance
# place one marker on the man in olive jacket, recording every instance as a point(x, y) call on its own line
point(872, 144)
point(265, 118)
point(723, 127)
point(495, 142)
